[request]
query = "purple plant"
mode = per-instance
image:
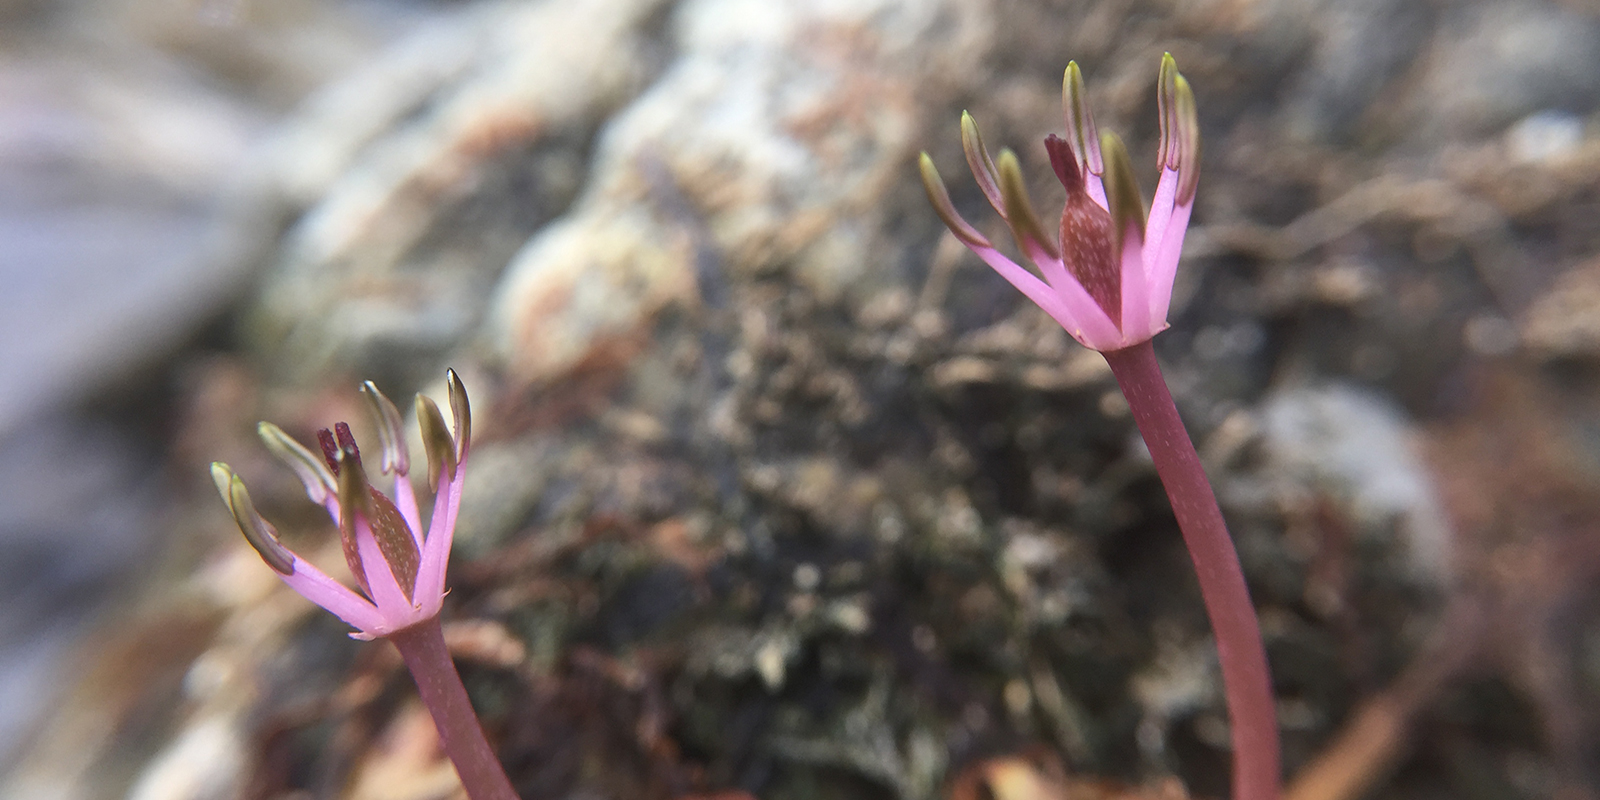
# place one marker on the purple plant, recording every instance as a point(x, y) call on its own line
point(1107, 279)
point(399, 570)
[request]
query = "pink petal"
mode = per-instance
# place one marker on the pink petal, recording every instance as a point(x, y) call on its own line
point(1097, 190)
point(1155, 228)
point(435, 556)
point(331, 504)
point(313, 584)
point(405, 500)
point(1068, 303)
point(1135, 291)
point(1164, 268)
point(386, 592)
point(1054, 269)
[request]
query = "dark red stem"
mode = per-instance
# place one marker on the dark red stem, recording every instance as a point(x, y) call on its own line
point(423, 648)
point(1246, 681)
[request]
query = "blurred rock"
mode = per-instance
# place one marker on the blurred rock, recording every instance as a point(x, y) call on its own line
point(77, 522)
point(1565, 322)
point(1360, 49)
point(776, 487)
point(106, 214)
point(778, 128)
point(119, 147)
point(1496, 62)
point(479, 131)
point(1360, 450)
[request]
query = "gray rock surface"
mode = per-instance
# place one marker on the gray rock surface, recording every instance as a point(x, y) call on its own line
point(775, 487)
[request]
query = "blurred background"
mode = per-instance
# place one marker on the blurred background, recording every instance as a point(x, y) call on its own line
point(777, 491)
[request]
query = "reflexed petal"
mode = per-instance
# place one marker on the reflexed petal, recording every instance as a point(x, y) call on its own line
point(313, 584)
point(1122, 188)
point(1135, 287)
point(1155, 227)
point(396, 456)
point(1165, 262)
point(405, 501)
point(1068, 304)
point(441, 535)
point(381, 583)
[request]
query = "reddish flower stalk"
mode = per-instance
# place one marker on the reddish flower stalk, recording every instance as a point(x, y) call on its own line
point(1106, 275)
point(423, 648)
point(399, 570)
point(1246, 681)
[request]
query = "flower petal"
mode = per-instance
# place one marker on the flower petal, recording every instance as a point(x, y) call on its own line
point(1155, 227)
point(447, 502)
point(387, 594)
point(313, 584)
point(1165, 263)
point(1068, 304)
point(441, 535)
point(1127, 231)
point(405, 501)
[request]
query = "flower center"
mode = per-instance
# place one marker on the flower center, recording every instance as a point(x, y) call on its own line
point(1086, 235)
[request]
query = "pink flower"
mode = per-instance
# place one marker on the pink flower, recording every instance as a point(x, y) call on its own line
point(1108, 274)
point(399, 570)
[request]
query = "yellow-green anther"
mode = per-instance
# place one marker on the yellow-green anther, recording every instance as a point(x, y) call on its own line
point(1166, 113)
point(462, 411)
point(257, 531)
point(1081, 131)
point(307, 466)
point(391, 436)
point(1025, 224)
point(355, 491)
point(355, 497)
point(939, 196)
point(1188, 141)
point(222, 476)
point(436, 442)
point(978, 159)
point(1122, 191)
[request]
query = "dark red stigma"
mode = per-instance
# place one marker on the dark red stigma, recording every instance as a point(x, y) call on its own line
point(336, 440)
point(1065, 163)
